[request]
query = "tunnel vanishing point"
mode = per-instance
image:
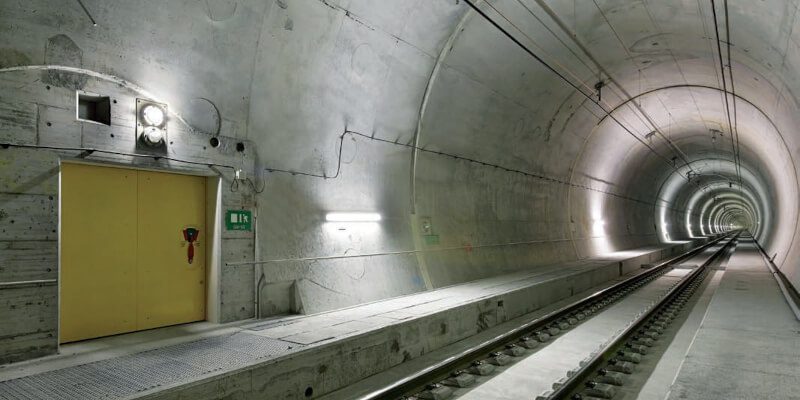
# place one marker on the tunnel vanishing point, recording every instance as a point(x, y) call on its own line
point(399, 199)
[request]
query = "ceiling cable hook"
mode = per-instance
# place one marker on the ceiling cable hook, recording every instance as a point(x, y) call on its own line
point(599, 87)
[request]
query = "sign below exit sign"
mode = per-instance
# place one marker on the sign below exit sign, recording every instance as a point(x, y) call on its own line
point(239, 220)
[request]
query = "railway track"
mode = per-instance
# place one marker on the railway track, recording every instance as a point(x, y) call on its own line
point(605, 372)
point(598, 375)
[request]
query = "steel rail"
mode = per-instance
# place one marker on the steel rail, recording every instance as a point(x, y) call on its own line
point(436, 372)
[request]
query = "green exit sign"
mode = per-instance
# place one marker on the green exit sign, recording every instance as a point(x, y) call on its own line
point(239, 220)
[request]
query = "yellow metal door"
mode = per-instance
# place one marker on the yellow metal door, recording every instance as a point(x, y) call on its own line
point(98, 251)
point(172, 291)
point(124, 261)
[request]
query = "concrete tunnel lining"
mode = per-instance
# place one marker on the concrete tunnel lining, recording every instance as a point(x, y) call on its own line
point(751, 125)
point(457, 126)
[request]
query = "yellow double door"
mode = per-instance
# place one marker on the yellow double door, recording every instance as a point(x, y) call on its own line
point(124, 259)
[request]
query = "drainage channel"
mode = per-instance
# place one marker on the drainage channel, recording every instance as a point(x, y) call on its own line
point(605, 374)
point(479, 363)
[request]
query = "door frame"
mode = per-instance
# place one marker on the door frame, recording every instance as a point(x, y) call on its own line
point(213, 226)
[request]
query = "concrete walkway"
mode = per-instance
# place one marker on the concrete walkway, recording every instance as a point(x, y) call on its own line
point(748, 346)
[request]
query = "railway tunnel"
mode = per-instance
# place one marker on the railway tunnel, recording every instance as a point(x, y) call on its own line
point(419, 199)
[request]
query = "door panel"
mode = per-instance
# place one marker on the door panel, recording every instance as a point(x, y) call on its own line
point(124, 261)
point(173, 290)
point(98, 251)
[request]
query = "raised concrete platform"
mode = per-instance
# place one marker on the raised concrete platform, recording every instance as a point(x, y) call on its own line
point(748, 346)
point(304, 357)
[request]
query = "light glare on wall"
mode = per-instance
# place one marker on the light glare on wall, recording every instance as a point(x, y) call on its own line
point(597, 228)
point(352, 217)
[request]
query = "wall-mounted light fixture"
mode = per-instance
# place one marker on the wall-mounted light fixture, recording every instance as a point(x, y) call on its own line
point(352, 217)
point(151, 123)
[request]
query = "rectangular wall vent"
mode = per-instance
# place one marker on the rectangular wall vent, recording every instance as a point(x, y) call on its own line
point(94, 108)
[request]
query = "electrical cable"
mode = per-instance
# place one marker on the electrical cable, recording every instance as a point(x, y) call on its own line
point(89, 151)
point(88, 14)
point(621, 88)
point(312, 174)
point(619, 91)
point(500, 167)
point(725, 85)
point(733, 92)
point(448, 155)
point(255, 188)
point(564, 78)
point(235, 183)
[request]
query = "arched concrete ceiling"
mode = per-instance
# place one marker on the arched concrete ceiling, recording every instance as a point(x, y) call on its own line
point(660, 132)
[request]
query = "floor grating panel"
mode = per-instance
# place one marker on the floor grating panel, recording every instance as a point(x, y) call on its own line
point(128, 375)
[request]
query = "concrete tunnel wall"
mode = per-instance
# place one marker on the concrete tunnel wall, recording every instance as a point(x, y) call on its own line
point(555, 175)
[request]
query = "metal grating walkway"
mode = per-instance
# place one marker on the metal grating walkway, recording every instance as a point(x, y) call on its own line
point(128, 375)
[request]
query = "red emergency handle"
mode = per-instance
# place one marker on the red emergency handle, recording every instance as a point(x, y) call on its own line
point(190, 235)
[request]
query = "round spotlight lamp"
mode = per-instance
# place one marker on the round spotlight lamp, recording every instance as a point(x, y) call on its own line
point(153, 115)
point(151, 124)
point(153, 136)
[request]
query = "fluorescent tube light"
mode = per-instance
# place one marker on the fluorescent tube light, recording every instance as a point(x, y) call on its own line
point(352, 217)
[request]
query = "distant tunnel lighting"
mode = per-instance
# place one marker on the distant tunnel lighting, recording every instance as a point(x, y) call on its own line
point(352, 217)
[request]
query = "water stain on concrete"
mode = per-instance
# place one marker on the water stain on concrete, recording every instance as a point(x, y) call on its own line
point(13, 58)
point(61, 50)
